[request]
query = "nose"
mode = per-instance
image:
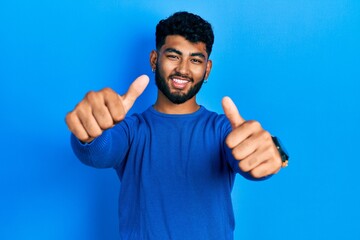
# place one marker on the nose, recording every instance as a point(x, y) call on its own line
point(183, 67)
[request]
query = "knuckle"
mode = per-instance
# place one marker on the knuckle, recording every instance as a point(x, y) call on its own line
point(118, 112)
point(255, 174)
point(118, 117)
point(95, 133)
point(90, 94)
point(244, 166)
point(106, 123)
point(69, 118)
point(234, 152)
point(237, 154)
point(258, 173)
point(92, 128)
point(254, 124)
point(71, 121)
point(267, 135)
point(82, 137)
point(230, 141)
point(83, 110)
point(107, 91)
point(80, 134)
point(252, 162)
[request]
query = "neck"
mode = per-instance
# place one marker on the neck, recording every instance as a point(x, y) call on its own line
point(164, 105)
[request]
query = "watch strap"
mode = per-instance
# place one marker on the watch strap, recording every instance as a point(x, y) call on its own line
point(283, 153)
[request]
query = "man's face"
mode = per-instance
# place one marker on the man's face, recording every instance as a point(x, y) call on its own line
point(181, 67)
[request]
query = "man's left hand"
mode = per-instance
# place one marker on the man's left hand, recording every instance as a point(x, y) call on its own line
point(251, 144)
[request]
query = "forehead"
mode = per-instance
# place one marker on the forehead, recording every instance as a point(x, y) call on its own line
point(184, 46)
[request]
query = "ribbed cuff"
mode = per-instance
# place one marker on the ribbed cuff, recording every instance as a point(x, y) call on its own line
point(91, 153)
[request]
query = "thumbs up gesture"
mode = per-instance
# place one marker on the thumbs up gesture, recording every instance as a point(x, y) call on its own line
point(250, 144)
point(101, 110)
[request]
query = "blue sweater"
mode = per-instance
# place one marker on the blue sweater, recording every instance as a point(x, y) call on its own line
point(176, 174)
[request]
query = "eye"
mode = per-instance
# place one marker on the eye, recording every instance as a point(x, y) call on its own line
point(172, 57)
point(196, 61)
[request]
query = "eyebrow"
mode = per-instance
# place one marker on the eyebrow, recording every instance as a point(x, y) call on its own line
point(196, 54)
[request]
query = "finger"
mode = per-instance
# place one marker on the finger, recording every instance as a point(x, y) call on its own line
point(263, 154)
point(76, 127)
point(93, 106)
point(90, 124)
point(246, 130)
point(103, 117)
point(264, 169)
point(253, 160)
point(115, 106)
point(245, 148)
point(232, 112)
point(134, 91)
point(107, 108)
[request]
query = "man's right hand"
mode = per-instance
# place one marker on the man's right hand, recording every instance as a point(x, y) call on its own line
point(101, 110)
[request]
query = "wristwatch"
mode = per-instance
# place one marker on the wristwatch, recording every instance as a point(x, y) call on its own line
point(283, 153)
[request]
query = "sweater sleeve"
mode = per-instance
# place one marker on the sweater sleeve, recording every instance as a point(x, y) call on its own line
point(106, 151)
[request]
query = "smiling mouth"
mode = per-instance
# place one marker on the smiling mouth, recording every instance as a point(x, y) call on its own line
point(179, 83)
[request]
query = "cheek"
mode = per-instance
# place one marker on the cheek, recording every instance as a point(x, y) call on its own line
point(199, 72)
point(165, 68)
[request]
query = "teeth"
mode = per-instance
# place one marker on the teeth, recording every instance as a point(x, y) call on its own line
point(180, 81)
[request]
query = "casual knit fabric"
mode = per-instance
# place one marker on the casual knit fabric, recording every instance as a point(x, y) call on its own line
point(176, 174)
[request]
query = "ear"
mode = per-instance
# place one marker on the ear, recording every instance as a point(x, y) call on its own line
point(153, 59)
point(208, 69)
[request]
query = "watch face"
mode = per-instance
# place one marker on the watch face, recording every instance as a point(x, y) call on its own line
point(284, 157)
point(283, 154)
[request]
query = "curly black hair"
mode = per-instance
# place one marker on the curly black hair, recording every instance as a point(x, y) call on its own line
point(190, 26)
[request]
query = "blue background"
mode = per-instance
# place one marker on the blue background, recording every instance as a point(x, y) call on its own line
point(292, 65)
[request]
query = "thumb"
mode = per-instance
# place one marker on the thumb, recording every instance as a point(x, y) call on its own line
point(134, 91)
point(232, 112)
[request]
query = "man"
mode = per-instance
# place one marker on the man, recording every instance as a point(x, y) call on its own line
point(176, 161)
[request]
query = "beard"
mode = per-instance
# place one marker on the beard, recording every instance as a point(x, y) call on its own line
point(177, 97)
